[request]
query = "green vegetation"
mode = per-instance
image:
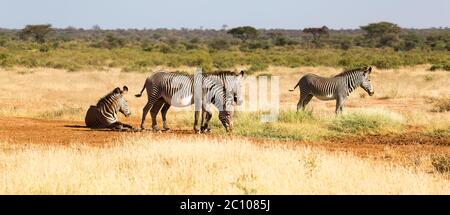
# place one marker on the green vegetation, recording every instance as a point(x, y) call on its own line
point(367, 122)
point(287, 127)
point(435, 67)
point(383, 45)
point(305, 125)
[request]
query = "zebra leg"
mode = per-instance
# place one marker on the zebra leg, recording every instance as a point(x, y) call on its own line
point(304, 100)
point(120, 126)
point(307, 100)
point(154, 112)
point(205, 122)
point(339, 105)
point(164, 110)
point(196, 122)
point(147, 107)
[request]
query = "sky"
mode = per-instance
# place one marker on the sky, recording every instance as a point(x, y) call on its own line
point(288, 14)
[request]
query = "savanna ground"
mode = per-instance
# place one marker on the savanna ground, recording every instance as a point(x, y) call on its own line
point(396, 142)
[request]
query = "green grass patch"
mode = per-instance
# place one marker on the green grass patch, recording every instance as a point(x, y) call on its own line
point(367, 122)
point(290, 125)
point(296, 117)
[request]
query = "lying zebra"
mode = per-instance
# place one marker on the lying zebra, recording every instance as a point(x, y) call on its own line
point(165, 89)
point(104, 114)
point(336, 88)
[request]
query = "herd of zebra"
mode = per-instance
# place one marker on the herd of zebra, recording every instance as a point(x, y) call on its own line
point(220, 89)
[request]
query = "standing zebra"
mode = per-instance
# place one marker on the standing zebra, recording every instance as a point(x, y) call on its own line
point(104, 114)
point(165, 89)
point(336, 88)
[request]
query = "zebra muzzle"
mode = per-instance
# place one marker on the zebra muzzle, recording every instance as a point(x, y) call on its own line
point(226, 120)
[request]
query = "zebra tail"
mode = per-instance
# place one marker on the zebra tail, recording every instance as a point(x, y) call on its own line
point(140, 94)
point(298, 83)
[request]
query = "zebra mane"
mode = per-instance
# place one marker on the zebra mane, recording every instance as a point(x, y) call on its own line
point(181, 72)
point(220, 72)
point(351, 71)
point(102, 100)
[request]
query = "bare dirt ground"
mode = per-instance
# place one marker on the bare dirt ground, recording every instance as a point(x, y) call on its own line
point(66, 132)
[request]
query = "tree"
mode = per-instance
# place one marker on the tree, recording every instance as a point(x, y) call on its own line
point(114, 42)
point(219, 44)
point(224, 27)
point(37, 32)
point(382, 34)
point(410, 41)
point(317, 34)
point(96, 28)
point(244, 33)
point(279, 39)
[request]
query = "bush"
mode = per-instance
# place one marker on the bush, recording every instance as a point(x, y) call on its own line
point(201, 59)
point(257, 44)
point(257, 67)
point(3, 59)
point(441, 163)
point(219, 44)
point(296, 116)
point(368, 121)
point(440, 104)
point(445, 67)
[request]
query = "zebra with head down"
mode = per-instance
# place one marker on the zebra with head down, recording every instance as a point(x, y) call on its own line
point(165, 89)
point(104, 114)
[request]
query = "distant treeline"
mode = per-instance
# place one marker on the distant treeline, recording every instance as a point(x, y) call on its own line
point(382, 44)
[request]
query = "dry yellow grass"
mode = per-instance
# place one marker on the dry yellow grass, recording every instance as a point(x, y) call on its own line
point(196, 165)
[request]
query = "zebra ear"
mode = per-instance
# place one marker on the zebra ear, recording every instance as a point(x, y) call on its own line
point(117, 90)
point(125, 89)
point(242, 73)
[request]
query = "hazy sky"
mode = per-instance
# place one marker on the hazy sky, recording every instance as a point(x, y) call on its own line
point(213, 14)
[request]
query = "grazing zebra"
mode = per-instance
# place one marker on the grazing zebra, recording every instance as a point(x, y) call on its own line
point(336, 88)
point(104, 114)
point(165, 89)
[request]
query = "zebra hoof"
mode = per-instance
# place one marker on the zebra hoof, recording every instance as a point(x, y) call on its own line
point(166, 129)
point(206, 131)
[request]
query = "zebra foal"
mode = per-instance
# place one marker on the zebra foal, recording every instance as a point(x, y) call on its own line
point(104, 114)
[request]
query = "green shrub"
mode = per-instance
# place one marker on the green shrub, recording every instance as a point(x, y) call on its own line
point(3, 59)
point(369, 121)
point(296, 116)
point(219, 44)
point(445, 67)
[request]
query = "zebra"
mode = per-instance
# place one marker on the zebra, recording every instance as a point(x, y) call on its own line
point(336, 88)
point(166, 89)
point(104, 114)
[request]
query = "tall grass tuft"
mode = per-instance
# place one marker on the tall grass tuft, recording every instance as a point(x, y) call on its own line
point(296, 116)
point(369, 121)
